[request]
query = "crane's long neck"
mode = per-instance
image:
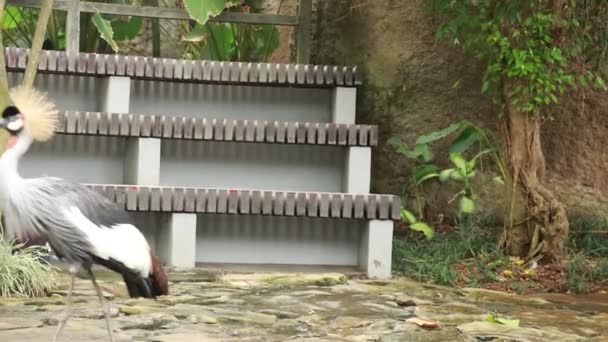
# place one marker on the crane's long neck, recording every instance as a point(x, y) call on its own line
point(9, 162)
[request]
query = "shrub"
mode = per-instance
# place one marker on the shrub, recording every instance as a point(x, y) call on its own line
point(23, 272)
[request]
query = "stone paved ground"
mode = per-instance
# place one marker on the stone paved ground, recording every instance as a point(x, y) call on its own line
point(207, 306)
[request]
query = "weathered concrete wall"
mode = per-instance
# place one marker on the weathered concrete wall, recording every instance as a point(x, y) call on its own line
point(408, 90)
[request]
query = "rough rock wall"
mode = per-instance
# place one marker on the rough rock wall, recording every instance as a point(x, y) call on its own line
point(408, 90)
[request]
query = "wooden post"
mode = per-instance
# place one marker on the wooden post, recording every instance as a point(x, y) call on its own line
point(156, 34)
point(304, 32)
point(73, 30)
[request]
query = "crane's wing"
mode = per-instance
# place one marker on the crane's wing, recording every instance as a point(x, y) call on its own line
point(78, 222)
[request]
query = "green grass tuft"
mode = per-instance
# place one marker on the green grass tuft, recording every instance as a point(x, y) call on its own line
point(434, 260)
point(589, 236)
point(22, 271)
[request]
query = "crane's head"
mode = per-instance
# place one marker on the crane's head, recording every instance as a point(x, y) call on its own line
point(31, 113)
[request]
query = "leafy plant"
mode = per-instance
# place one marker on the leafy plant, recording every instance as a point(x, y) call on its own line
point(227, 41)
point(104, 33)
point(422, 158)
point(462, 174)
point(201, 11)
point(23, 272)
point(425, 169)
point(416, 225)
point(105, 30)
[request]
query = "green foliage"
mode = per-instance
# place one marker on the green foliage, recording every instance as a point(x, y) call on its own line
point(416, 225)
point(462, 174)
point(540, 51)
point(105, 30)
point(22, 271)
point(104, 33)
point(201, 11)
point(582, 271)
point(232, 42)
point(589, 236)
point(125, 29)
point(11, 17)
point(434, 260)
point(588, 250)
point(227, 41)
point(424, 169)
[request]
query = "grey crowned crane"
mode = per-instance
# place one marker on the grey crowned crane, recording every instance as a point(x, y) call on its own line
point(81, 226)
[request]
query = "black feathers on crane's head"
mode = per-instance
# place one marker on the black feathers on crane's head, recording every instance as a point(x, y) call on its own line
point(31, 111)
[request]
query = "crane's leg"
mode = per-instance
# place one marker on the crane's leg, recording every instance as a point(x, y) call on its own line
point(68, 308)
point(106, 306)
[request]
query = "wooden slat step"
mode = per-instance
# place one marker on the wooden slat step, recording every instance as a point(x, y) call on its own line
point(170, 127)
point(252, 202)
point(199, 71)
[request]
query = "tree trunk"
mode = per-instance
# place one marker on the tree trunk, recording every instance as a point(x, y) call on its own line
point(536, 225)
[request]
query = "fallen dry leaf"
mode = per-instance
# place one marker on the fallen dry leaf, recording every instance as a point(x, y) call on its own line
point(425, 323)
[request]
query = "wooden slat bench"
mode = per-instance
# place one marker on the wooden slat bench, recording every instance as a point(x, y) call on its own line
point(172, 127)
point(252, 107)
point(92, 64)
point(252, 202)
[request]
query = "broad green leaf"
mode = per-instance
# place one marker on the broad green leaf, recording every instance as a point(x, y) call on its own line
point(445, 174)
point(456, 175)
point(423, 228)
point(466, 139)
point(127, 29)
point(202, 10)
point(408, 216)
point(198, 33)
point(466, 205)
point(220, 44)
point(104, 28)
point(402, 148)
point(436, 135)
point(459, 162)
point(424, 172)
point(11, 17)
point(424, 151)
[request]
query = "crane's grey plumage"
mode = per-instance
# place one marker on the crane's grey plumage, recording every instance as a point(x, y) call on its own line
point(81, 226)
point(35, 208)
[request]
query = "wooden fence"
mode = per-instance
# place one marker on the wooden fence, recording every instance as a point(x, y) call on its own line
point(301, 22)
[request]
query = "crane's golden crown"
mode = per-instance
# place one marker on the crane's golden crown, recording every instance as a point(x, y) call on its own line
point(39, 113)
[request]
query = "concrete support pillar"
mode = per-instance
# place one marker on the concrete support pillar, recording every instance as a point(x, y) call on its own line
point(177, 235)
point(177, 245)
point(344, 105)
point(142, 161)
point(376, 249)
point(358, 169)
point(116, 95)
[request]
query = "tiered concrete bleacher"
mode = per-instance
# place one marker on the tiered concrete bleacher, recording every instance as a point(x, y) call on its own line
point(221, 162)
